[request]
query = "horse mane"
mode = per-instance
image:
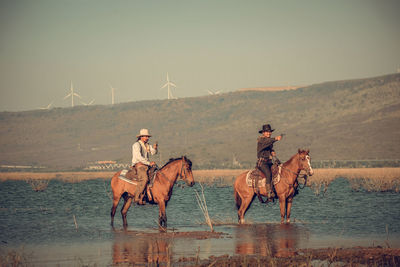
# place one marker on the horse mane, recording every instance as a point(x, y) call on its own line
point(298, 153)
point(290, 160)
point(175, 159)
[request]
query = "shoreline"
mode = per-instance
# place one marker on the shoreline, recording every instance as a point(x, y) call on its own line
point(329, 174)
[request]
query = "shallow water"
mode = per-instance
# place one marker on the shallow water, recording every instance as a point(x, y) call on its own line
point(43, 223)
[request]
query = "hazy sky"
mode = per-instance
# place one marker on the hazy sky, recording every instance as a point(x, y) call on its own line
point(203, 45)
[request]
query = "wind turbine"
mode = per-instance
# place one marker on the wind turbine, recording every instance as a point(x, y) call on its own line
point(87, 104)
point(72, 94)
point(112, 94)
point(48, 106)
point(213, 93)
point(168, 84)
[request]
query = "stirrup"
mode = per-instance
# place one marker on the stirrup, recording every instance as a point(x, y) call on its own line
point(271, 195)
point(136, 200)
point(140, 201)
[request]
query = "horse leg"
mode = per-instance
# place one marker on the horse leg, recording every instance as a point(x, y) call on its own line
point(243, 208)
point(162, 217)
point(114, 208)
point(282, 207)
point(288, 208)
point(125, 208)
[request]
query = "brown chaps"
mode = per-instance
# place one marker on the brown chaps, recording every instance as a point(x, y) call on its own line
point(143, 178)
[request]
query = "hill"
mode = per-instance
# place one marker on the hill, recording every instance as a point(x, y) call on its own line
point(276, 88)
point(354, 119)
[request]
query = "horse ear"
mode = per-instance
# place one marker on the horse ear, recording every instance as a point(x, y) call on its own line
point(308, 151)
point(299, 151)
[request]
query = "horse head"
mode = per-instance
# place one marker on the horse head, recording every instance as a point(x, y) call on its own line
point(186, 171)
point(305, 161)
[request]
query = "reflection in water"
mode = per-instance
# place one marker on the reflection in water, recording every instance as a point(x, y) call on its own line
point(276, 240)
point(140, 248)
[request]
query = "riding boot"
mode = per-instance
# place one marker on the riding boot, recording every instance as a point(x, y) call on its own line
point(270, 192)
point(141, 201)
point(139, 190)
point(142, 181)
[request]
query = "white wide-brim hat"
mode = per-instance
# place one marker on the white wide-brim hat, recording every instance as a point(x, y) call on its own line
point(143, 132)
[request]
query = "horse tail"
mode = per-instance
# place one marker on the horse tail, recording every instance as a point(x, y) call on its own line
point(238, 199)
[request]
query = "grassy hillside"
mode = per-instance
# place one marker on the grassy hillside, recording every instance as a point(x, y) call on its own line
point(356, 119)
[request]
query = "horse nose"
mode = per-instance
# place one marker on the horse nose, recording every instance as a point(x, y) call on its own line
point(311, 172)
point(191, 183)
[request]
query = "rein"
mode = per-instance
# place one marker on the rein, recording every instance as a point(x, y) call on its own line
point(166, 178)
point(295, 173)
point(304, 176)
point(180, 173)
point(297, 176)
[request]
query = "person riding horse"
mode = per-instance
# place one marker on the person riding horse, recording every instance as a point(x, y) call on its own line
point(266, 155)
point(140, 160)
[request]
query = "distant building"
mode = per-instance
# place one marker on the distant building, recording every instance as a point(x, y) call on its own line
point(106, 162)
point(106, 165)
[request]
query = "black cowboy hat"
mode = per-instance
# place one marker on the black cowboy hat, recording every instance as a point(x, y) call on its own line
point(266, 128)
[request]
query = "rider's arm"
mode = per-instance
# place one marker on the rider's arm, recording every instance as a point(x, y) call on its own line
point(264, 142)
point(153, 150)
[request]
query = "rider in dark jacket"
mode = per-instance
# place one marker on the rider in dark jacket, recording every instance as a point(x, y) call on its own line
point(265, 154)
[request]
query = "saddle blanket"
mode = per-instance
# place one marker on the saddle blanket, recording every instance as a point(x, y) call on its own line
point(122, 176)
point(133, 179)
point(253, 174)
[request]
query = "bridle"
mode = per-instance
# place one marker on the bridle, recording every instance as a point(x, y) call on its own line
point(183, 177)
point(304, 176)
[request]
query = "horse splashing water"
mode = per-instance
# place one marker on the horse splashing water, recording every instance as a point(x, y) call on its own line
point(290, 170)
point(160, 191)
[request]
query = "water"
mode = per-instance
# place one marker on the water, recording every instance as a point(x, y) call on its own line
point(43, 222)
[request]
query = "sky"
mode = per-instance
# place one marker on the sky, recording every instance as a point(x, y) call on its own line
point(206, 45)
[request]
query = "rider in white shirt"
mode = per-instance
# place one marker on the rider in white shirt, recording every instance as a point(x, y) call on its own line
point(141, 151)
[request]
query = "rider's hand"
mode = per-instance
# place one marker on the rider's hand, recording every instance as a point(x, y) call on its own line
point(273, 153)
point(152, 163)
point(155, 145)
point(278, 138)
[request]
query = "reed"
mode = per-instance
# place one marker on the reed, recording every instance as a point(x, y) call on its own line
point(38, 185)
point(15, 258)
point(369, 179)
point(76, 224)
point(201, 201)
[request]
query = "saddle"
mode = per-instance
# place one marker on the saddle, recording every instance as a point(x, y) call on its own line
point(256, 179)
point(132, 175)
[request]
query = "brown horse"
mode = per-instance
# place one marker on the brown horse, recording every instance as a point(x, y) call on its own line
point(161, 190)
point(244, 194)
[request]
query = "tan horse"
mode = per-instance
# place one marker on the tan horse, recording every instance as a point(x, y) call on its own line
point(244, 194)
point(161, 190)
